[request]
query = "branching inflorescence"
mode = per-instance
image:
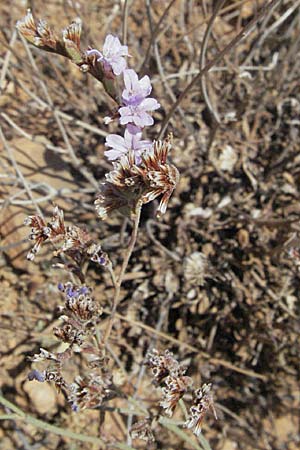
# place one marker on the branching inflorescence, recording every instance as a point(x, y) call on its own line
point(141, 172)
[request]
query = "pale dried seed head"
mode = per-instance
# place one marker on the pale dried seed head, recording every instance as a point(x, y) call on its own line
point(195, 268)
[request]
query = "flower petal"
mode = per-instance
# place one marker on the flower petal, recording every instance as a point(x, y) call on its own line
point(142, 119)
point(95, 52)
point(113, 154)
point(130, 79)
point(116, 142)
point(149, 104)
point(145, 85)
point(134, 129)
point(109, 44)
point(118, 65)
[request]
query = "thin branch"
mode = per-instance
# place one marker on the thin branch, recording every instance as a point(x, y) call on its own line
point(6, 60)
point(239, 37)
point(19, 172)
point(77, 163)
point(206, 37)
point(21, 415)
point(213, 361)
point(161, 69)
point(125, 21)
point(154, 35)
point(120, 278)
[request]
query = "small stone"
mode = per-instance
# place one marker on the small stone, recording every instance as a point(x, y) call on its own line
point(42, 395)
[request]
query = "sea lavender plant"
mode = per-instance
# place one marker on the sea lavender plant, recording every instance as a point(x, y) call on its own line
point(141, 172)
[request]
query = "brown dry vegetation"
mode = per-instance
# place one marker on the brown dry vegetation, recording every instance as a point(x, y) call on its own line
point(217, 278)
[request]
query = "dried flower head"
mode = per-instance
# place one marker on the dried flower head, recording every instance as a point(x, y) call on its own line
point(71, 40)
point(160, 177)
point(195, 268)
point(41, 231)
point(73, 32)
point(71, 240)
point(58, 358)
point(79, 303)
point(142, 430)
point(203, 401)
point(69, 333)
point(121, 190)
point(163, 365)
point(38, 34)
point(89, 392)
point(129, 183)
point(173, 391)
point(42, 36)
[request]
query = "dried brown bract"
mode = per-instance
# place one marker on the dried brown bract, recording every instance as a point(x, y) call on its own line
point(163, 365)
point(121, 190)
point(41, 232)
point(173, 391)
point(42, 36)
point(79, 303)
point(69, 334)
point(89, 392)
point(160, 177)
point(66, 44)
point(203, 401)
point(129, 183)
point(74, 242)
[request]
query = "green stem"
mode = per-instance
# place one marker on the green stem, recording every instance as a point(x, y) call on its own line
point(170, 425)
point(21, 415)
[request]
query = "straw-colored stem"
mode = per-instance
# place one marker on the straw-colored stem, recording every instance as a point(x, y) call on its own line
point(120, 278)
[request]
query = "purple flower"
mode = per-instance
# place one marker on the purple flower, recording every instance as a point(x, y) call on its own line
point(135, 101)
point(112, 56)
point(73, 291)
point(37, 375)
point(135, 90)
point(138, 114)
point(131, 141)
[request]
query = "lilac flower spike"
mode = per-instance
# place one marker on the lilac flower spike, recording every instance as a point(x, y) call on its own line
point(113, 55)
point(131, 141)
point(136, 104)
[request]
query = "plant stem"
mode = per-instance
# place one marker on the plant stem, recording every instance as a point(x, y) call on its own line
point(18, 414)
point(120, 278)
point(21, 415)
